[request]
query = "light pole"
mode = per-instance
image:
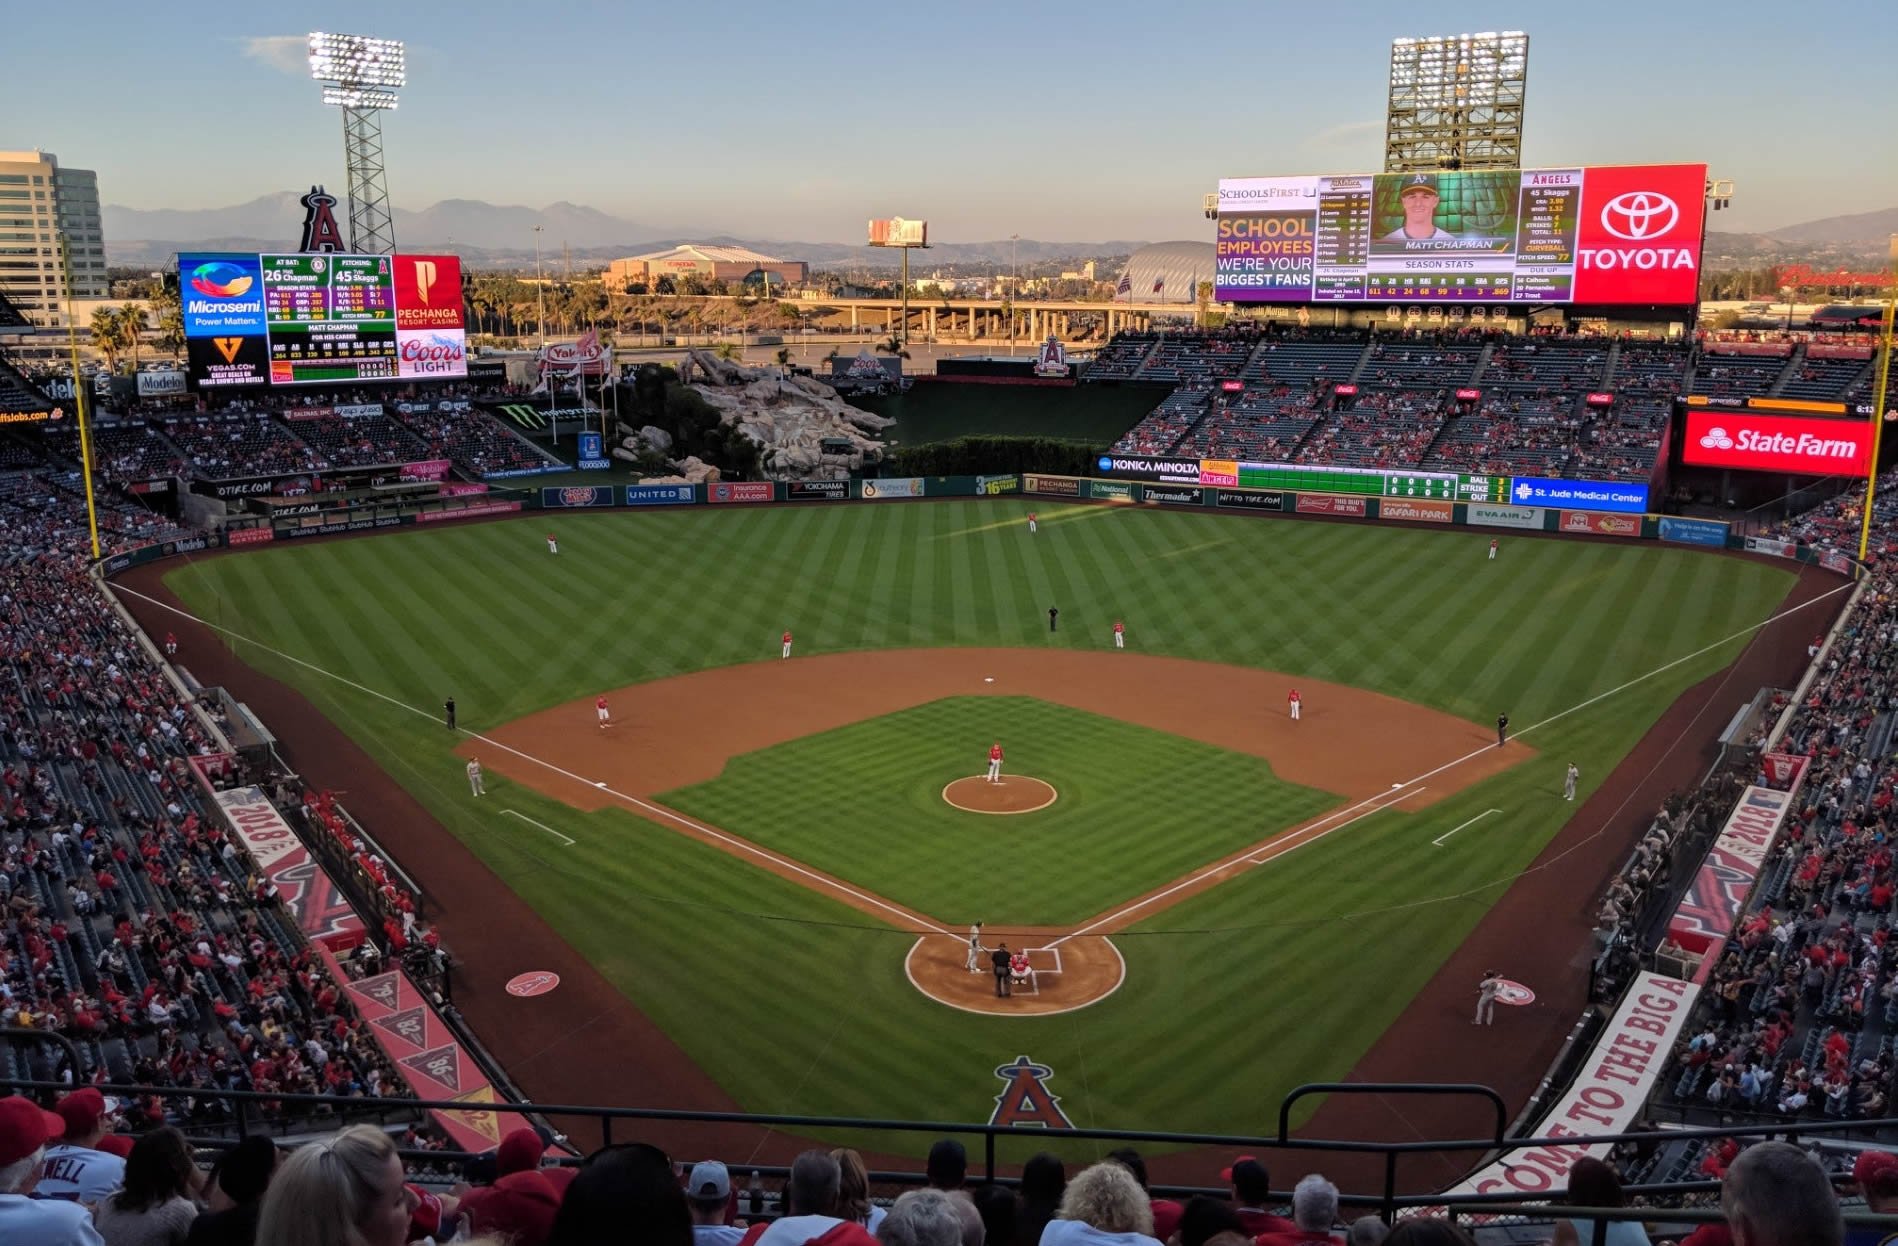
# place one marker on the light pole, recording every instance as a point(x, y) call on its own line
point(1014, 289)
point(540, 290)
point(362, 75)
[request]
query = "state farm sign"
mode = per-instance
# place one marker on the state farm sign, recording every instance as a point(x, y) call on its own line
point(1777, 443)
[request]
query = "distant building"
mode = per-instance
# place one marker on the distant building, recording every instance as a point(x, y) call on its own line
point(39, 202)
point(732, 265)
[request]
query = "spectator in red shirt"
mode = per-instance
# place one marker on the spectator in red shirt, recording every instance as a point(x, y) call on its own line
point(1166, 1212)
point(1314, 1211)
point(1251, 1191)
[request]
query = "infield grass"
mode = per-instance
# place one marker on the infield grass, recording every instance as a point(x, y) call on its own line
point(1135, 808)
point(1233, 996)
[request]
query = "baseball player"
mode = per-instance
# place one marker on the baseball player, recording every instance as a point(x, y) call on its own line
point(1034, 525)
point(1120, 634)
point(975, 948)
point(599, 707)
point(787, 643)
point(171, 644)
point(1486, 992)
point(1492, 549)
point(1054, 612)
point(553, 545)
point(448, 712)
point(474, 778)
point(995, 762)
point(1568, 781)
point(1294, 703)
point(1502, 729)
point(1020, 972)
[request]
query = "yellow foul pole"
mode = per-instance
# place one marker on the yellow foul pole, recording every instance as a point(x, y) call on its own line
point(1881, 378)
point(79, 400)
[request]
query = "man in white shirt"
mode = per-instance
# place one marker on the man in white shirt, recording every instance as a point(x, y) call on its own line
point(709, 1190)
point(75, 1169)
point(1419, 197)
point(24, 1221)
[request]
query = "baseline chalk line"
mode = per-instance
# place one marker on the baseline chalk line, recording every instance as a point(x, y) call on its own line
point(1438, 841)
point(542, 825)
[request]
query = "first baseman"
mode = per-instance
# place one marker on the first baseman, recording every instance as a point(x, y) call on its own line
point(787, 643)
point(995, 762)
point(1294, 703)
point(1120, 634)
point(474, 778)
point(599, 706)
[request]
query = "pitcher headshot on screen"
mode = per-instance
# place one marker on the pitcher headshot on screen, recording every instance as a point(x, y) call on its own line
point(1420, 200)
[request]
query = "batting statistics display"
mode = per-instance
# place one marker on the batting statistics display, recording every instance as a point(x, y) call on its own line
point(321, 318)
point(1609, 234)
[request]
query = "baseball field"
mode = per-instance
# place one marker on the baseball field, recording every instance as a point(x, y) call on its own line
point(754, 870)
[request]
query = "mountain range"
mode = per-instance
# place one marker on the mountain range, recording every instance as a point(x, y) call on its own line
point(493, 235)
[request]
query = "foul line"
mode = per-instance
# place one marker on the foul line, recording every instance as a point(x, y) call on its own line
point(746, 847)
point(1438, 841)
point(542, 825)
point(656, 811)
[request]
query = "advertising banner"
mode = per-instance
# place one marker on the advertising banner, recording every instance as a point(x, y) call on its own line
point(1712, 902)
point(166, 383)
point(431, 354)
point(221, 295)
point(577, 497)
point(1594, 495)
point(469, 512)
point(1602, 525)
point(894, 231)
point(1265, 257)
point(358, 410)
point(1218, 472)
point(1405, 510)
point(428, 293)
point(1249, 499)
point(1795, 445)
point(1327, 504)
point(318, 525)
point(1173, 495)
point(248, 536)
point(1694, 531)
point(257, 486)
point(1836, 560)
point(1484, 515)
point(592, 453)
point(228, 360)
point(817, 490)
point(427, 470)
point(1771, 545)
point(1111, 490)
point(460, 488)
point(658, 495)
point(318, 905)
point(993, 486)
point(901, 487)
point(487, 372)
point(1608, 1094)
point(739, 491)
point(1053, 486)
point(1147, 467)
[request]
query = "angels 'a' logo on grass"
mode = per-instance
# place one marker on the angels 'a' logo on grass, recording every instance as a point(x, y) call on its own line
point(1025, 1097)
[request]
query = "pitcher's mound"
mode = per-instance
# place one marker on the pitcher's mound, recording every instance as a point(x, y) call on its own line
point(1014, 793)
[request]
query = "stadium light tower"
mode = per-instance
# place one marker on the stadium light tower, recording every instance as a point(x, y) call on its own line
point(1456, 102)
point(360, 76)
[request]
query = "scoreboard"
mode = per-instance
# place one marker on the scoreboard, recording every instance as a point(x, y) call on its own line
point(330, 318)
point(1371, 482)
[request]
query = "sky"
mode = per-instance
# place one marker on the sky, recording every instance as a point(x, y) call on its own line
point(1052, 120)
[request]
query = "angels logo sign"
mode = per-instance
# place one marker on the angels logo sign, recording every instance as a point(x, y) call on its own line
point(1025, 1097)
point(1053, 360)
point(320, 232)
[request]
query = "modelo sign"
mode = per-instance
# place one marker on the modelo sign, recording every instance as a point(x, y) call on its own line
point(1777, 443)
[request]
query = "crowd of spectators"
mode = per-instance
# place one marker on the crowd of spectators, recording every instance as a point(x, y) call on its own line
point(219, 447)
point(358, 440)
point(474, 441)
point(1160, 431)
point(1381, 428)
point(122, 452)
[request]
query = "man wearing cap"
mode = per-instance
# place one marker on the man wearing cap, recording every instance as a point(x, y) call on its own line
point(1419, 197)
point(76, 1169)
point(1877, 1175)
point(24, 1131)
point(709, 1190)
point(522, 1202)
point(1251, 1191)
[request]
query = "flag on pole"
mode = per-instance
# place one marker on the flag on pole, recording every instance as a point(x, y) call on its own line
point(1126, 286)
point(1159, 284)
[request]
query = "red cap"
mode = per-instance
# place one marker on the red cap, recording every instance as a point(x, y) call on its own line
point(1225, 1174)
point(82, 1110)
point(25, 1127)
point(426, 1219)
point(519, 1151)
point(521, 1205)
point(116, 1144)
point(1877, 1171)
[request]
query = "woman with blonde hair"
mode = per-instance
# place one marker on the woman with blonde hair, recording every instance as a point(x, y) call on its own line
point(1103, 1206)
point(853, 1191)
point(347, 1190)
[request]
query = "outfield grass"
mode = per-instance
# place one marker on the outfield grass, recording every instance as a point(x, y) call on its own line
point(1136, 808)
point(483, 612)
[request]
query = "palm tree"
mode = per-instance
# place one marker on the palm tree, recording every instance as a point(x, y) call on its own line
point(893, 347)
point(131, 325)
point(105, 334)
point(727, 351)
point(784, 356)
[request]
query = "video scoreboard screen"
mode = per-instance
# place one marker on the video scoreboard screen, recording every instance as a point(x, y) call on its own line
point(1598, 235)
point(1443, 486)
point(321, 318)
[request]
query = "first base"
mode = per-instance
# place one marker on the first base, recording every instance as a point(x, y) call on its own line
point(1394, 786)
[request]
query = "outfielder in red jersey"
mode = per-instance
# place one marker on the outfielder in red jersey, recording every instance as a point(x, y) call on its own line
point(1033, 524)
point(553, 544)
point(1293, 702)
point(995, 762)
point(787, 643)
point(1120, 634)
point(599, 706)
point(1493, 543)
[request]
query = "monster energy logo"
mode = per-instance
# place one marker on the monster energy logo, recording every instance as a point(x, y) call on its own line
point(524, 415)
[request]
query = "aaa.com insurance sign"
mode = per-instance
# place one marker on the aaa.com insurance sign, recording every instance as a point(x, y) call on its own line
point(1777, 443)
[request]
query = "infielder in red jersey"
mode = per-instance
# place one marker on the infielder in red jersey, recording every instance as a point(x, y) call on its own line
point(1120, 634)
point(599, 706)
point(787, 643)
point(1293, 703)
point(995, 762)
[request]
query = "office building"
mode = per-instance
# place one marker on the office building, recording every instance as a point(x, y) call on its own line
point(39, 201)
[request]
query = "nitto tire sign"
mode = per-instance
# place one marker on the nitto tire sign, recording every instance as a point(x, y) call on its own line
point(1247, 500)
point(818, 490)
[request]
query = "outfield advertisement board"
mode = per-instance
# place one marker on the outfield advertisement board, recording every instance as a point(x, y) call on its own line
point(1601, 525)
point(1110, 490)
point(576, 497)
point(1249, 499)
point(1406, 511)
point(1694, 532)
point(1327, 504)
point(1052, 486)
point(1771, 545)
point(658, 495)
point(901, 487)
point(722, 491)
point(994, 486)
point(1173, 495)
point(1526, 517)
point(1796, 445)
point(469, 512)
point(818, 491)
point(1148, 467)
point(1593, 495)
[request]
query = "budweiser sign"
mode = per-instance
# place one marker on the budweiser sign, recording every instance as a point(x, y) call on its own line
point(1777, 443)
